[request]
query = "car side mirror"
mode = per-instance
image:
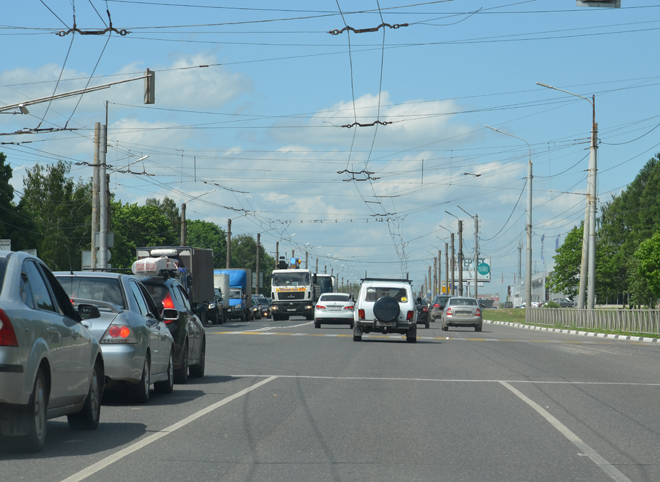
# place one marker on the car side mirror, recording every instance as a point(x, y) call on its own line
point(170, 314)
point(87, 311)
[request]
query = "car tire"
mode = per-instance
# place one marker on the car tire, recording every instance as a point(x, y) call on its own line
point(386, 309)
point(167, 386)
point(88, 418)
point(197, 371)
point(139, 393)
point(37, 411)
point(317, 325)
point(411, 336)
point(357, 333)
point(181, 373)
point(309, 317)
point(351, 325)
point(445, 328)
point(427, 325)
point(477, 328)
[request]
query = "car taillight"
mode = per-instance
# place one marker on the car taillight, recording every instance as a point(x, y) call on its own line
point(425, 309)
point(449, 311)
point(361, 314)
point(119, 334)
point(167, 302)
point(349, 307)
point(478, 313)
point(410, 315)
point(320, 307)
point(436, 306)
point(7, 335)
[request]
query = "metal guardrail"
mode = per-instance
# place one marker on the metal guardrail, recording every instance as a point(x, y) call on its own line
point(630, 321)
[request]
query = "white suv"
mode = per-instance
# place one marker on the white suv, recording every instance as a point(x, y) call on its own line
point(385, 306)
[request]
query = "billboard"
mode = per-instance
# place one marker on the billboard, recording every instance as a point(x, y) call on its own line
point(483, 269)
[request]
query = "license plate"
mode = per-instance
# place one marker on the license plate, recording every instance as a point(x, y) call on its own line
point(291, 309)
point(463, 314)
point(333, 308)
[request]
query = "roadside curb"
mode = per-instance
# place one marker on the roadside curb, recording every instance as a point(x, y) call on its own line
point(575, 332)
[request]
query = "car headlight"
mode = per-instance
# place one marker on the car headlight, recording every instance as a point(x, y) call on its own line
point(211, 306)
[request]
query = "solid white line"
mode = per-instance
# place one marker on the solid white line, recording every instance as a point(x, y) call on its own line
point(577, 441)
point(295, 326)
point(111, 459)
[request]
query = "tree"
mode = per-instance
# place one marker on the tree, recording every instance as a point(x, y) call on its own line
point(61, 208)
point(566, 276)
point(647, 258)
point(170, 210)
point(15, 223)
point(203, 234)
point(137, 226)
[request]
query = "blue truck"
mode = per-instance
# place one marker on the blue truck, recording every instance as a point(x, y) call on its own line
point(240, 290)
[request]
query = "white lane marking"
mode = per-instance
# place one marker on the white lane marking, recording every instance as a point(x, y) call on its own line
point(296, 326)
point(607, 467)
point(111, 459)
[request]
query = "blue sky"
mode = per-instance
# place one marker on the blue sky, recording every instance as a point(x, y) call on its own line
point(261, 124)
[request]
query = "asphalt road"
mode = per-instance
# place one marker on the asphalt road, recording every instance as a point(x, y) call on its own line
point(283, 401)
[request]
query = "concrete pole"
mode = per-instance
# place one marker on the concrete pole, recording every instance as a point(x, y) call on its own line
point(277, 254)
point(528, 274)
point(460, 257)
point(447, 266)
point(228, 243)
point(585, 254)
point(593, 168)
point(453, 267)
point(476, 256)
point(95, 192)
point(439, 287)
point(306, 259)
point(103, 202)
point(183, 224)
point(258, 259)
point(434, 291)
point(428, 288)
point(317, 266)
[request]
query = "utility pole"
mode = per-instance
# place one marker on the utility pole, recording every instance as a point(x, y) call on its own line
point(435, 277)
point(258, 259)
point(306, 259)
point(183, 224)
point(95, 192)
point(429, 285)
point(277, 254)
point(317, 266)
point(453, 267)
point(439, 287)
point(103, 202)
point(460, 257)
point(476, 256)
point(228, 243)
point(447, 266)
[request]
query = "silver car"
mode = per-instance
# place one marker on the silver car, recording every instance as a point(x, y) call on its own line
point(462, 311)
point(50, 364)
point(333, 309)
point(137, 345)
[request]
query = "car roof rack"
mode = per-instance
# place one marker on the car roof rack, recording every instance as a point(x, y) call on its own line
point(399, 280)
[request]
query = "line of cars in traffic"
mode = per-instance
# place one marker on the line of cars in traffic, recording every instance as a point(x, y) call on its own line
point(67, 337)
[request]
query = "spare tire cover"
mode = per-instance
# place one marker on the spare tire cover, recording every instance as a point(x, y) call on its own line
point(386, 309)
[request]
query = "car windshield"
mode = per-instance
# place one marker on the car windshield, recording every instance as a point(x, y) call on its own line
point(334, 298)
point(259, 300)
point(462, 302)
point(3, 268)
point(235, 294)
point(374, 293)
point(89, 288)
point(291, 278)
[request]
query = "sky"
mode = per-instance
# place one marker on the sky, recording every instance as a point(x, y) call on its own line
point(361, 149)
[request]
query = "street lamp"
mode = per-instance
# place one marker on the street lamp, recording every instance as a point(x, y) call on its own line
point(528, 275)
point(589, 234)
point(476, 248)
point(460, 254)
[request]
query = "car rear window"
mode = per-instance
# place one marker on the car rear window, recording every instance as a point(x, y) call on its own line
point(461, 302)
point(374, 293)
point(333, 298)
point(89, 288)
point(157, 291)
point(3, 268)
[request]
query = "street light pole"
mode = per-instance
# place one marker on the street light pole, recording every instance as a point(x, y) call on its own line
point(476, 249)
point(528, 274)
point(588, 264)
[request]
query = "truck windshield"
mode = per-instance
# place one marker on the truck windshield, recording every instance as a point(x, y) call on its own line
point(235, 294)
point(293, 278)
point(325, 283)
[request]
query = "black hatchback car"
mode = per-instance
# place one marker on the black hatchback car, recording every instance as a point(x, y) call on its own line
point(186, 328)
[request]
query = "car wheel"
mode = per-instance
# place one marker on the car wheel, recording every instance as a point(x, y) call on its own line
point(197, 371)
point(427, 325)
point(140, 393)
point(88, 418)
point(477, 328)
point(411, 336)
point(37, 408)
point(181, 374)
point(357, 333)
point(351, 325)
point(317, 325)
point(167, 386)
point(445, 328)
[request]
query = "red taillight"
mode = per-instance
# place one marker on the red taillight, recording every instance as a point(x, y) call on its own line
point(349, 307)
point(478, 313)
point(117, 331)
point(320, 307)
point(7, 335)
point(361, 314)
point(449, 311)
point(425, 309)
point(436, 306)
point(410, 315)
point(167, 302)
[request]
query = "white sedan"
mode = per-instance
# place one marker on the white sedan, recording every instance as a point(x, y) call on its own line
point(333, 309)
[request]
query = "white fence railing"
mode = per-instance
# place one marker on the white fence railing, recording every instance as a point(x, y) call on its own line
point(631, 321)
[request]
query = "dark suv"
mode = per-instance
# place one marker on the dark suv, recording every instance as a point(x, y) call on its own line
point(438, 306)
point(186, 328)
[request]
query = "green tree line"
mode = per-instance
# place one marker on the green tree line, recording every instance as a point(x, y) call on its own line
point(627, 246)
point(54, 217)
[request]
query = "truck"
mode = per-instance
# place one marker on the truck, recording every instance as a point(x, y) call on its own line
point(292, 292)
point(196, 268)
point(324, 283)
point(239, 295)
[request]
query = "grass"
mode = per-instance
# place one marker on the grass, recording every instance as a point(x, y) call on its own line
point(517, 315)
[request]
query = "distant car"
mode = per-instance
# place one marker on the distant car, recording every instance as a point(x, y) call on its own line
point(50, 363)
point(438, 306)
point(462, 311)
point(216, 310)
point(186, 328)
point(333, 309)
point(137, 346)
point(385, 306)
point(565, 303)
point(422, 312)
point(260, 308)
